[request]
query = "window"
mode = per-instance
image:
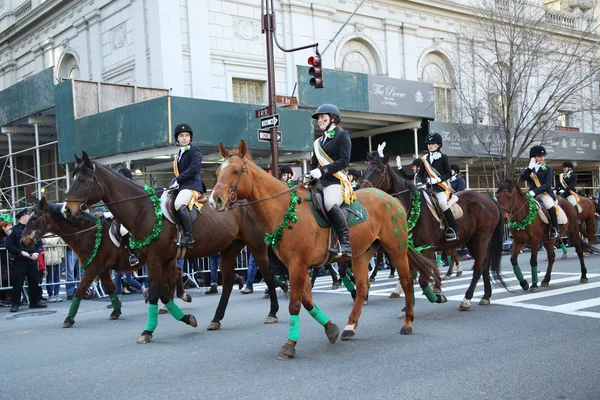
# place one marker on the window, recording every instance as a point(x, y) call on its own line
point(563, 118)
point(436, 71)
point(247, 91)
point(499, 113)
point(357, 56)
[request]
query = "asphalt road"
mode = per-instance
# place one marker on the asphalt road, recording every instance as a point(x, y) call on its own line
point(544, 346)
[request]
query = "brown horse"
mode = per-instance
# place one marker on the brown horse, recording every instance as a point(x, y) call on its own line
point(80, 235)
point(214, 232)
point(516, 209)
point(481, 228)
point(302, 243)
point(587, 217)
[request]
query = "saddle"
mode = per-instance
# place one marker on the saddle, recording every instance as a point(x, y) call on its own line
point(561, 216)
point(167, 204)
point(116, 232)
point(436, 211)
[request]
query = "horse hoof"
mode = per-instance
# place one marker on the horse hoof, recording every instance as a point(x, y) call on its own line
point(394, 295)
point(446, 278)
point(143, 339)
point(406, 330)
point(333, 332)
point(193, 323)
point(459, 273)
point(214, 326)
point(365, 302)
point(524, 284)
point(583, 280)
point(545, 284)
point(186, 297)
point(115, 314)
point(564, 256)
point(69, 322)
point(441, 299)
point(464, 306)
point(271, 320)
point(534, 288)
point(163, 310)
point(287, 352)
point(484, 302)
point(347, 335)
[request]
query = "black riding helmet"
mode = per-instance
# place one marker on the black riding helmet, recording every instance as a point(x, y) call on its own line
point(417, 162)
point(183, 127)
point(434, 138)
point(567, 164)
point(286, 169)
point(455, 167)
point(537, 151)
point(331, 110)
point(353, 171)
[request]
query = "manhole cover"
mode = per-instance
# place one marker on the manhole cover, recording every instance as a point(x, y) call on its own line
point(32, 314)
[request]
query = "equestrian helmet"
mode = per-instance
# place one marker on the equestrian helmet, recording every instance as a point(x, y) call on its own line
point(183, 127)
point(126, 172)
point(286, 169)
point(567, 164)
point(537, 151)
point(455, 167)
point(417, 162)
point(353, 171)
point(23, 212)
point(329, 109)
point(434, 138)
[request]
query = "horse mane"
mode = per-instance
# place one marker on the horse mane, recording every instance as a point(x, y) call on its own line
point(508, 184)
point(83, 218)
point(87, 171)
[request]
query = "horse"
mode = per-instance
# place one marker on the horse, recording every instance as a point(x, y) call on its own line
point(481, 228)
point(300, 242)
point(587, 217)
point(527, 227)
point(138, 209)
point(80, 235)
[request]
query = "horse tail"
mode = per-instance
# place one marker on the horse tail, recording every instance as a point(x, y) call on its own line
point(494, 254)
point(589, 248)
point(424, 266)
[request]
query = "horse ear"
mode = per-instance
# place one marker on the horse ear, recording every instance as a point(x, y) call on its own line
point(386, 158)
point(77, 159)
point(42, 204)
point(86, 159)
point(223, 150)
point(243, 148)
point(369, 157)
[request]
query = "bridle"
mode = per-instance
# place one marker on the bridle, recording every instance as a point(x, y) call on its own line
point(34, 233)
point(83, 200)
point(512, 211)
point(381, 179)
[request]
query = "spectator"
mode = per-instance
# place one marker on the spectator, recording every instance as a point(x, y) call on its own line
point(213, 262)
point(7, 226)
point(252, 267)
point(72, 265)
point(54, 254)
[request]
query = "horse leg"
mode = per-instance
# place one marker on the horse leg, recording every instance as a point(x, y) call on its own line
point(549, 245)
point(331, 330)
point(455, 260)
point(514, 260)
point(399, 259)
point(181, 294)
point(167, 291)
point(360, 267)
point(451, 253)
point(378, 265)
point(110, 288)
point(298, 276)
point(154, 285)
point(262, 261)
point(348, 284)
point(82, 288)
point(535, 246)
point(478, 254)
point(429, 293)
point(228, 257)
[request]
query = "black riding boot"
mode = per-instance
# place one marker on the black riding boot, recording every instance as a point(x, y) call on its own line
point(133, 260)
point(452, 231)
point(554, 230)
point(338, 222)
point(187, 240)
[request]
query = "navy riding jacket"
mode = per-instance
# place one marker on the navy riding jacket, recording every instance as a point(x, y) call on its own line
point(544, 177)
point(441, 165)
point(190, 170)
point(338, 149)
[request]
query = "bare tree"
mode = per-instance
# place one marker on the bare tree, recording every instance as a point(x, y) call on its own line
point(519, 67)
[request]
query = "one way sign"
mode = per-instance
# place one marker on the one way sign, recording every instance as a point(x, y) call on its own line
point(269, 121)
point(265, 136)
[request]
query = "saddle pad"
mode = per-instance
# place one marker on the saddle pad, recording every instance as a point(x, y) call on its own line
point(165, 208)
point(112, 234)
point(351, 218)
point(561, 216)
point(457, 210)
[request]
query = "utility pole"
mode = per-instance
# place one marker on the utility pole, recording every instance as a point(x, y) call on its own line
point(268, 28)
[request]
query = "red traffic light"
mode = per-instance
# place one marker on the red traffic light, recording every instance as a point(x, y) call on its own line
point(316, 71)
point(311, 60)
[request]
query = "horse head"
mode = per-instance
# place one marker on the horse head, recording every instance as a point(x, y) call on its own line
point(378, 173)
point(86, 188)
point(509, 195)
point(37, 226)
point(233, 182)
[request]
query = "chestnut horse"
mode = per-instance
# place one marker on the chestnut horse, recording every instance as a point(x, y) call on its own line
point(80, 235)
point(139, 212)
point(301, 243)
point(481, 228)
point(516, 209)
point(587, 217)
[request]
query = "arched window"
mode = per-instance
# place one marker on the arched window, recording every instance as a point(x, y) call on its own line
point(68, 68)
point(357, 56)
point(436, 71)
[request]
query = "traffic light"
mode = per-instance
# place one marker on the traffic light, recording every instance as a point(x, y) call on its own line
point(316, 71)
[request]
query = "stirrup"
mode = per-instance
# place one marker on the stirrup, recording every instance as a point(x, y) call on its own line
point(451, 235)
point(133, 260)
point(554, 233)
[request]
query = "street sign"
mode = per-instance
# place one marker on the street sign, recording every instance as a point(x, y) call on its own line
point(263, 112)
point(286, 100)
point(265, 136)
point(269, 121)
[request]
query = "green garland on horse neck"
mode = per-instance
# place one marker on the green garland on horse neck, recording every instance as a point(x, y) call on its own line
point(97, 241)
point(522, 225)
point(272, 239)
point(415, 212)
point(156, 229)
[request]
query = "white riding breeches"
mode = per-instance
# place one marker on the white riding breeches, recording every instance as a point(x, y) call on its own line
point(546, 200)
point(183, 198)
point(442, 198)
point(571, 199)
point(332, 195)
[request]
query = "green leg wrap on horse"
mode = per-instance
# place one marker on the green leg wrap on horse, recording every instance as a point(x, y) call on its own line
point(294, 331)
point(348, 283)
point(518, 273)
point(563, 247)
point(174, 310)
point(415, 274)
point(114, 300)
point(534, 275)
point(431, 296)
point(152, 317)
point(277, 281)
point(319, 315)
point(74, 307)
point(449, 260)
point(438, 259)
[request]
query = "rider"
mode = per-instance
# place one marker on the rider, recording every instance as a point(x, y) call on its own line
point(565, 186)
point(187, 182)
point(539, 179)
point(416, 165)
point(331, 156)
point(457, 181)
point(285, 173)
point(133, 260)
point(353, 175)
point(435, 171)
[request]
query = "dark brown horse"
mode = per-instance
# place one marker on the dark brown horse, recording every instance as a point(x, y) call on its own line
point(80, 235)
point(481, 227)
point(517, 209)
point(214, 232)
point(301, 243)
point(587, 217)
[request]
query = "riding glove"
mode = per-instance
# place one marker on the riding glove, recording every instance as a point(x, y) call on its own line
point(433, 181)
point(532, 193)
point(315, 173)
point(174, 186)
point(532, 163)
point(398, 162)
